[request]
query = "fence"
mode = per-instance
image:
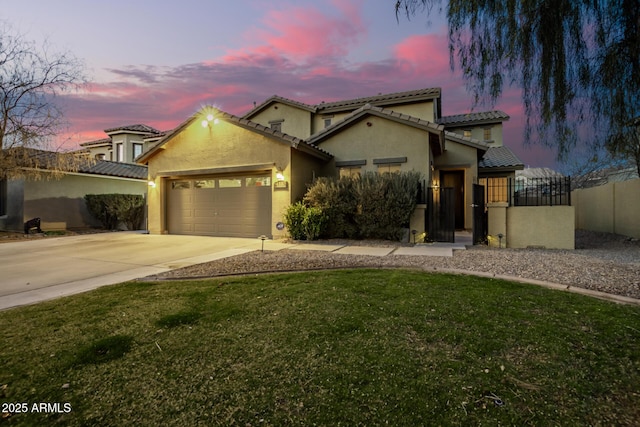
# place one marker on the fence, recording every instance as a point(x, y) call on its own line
point(609, 208)
point(530, 192)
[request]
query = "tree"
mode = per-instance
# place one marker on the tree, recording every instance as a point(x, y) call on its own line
point(626, 143)
point(577, 62)
point(30, 80)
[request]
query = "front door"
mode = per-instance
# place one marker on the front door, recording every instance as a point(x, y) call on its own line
point(455, 180)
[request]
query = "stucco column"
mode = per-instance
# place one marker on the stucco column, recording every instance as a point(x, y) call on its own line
point(497, 216)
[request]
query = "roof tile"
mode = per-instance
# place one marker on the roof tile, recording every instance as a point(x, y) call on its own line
point(470, 118)
point(500, 157)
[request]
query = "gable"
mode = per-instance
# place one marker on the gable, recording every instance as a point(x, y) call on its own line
point(210, 121)
point(373, 140)
point(290, 119)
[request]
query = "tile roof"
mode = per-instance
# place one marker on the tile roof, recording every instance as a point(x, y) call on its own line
point(474, 118)
point(96, 142)
point(133, 128)
point(293, 141)
point(116, 169)
point(377, 111)
point(280, 99)
point(538, 173)
point(381, 99)
point(500, 157)
point(465, 140)
point(51, 159)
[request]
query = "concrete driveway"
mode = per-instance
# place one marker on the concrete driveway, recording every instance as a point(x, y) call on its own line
point(37, 270)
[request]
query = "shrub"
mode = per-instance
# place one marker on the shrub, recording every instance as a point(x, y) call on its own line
point(314, 223)
point(115, 209)
point(303, 222)
point(371, 206)
point(294, 220)
point(335, 198)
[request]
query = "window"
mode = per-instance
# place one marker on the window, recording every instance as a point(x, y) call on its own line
point(467, 133)
point(350, 171)
point(229, 183)
point(388, 168)
point(120, 152)
point(205, 183)
point(487, 134)
point(263, 181)
point(327, 122)
point(495, 189)
point(180, 185)
point(137, 149)
point(3, 197)
point(100, 156)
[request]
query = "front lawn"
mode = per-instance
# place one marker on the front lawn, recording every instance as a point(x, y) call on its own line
point(358, 347)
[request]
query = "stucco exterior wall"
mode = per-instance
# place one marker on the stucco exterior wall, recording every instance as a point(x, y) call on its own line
point(422, 110)
point(381, 139)
point(610, 208)
point(63, 200)
point(551, 227)
point(296, 122)
point(305, 169)
point(477, 132)
point(196, 149)
point(14, 218)
point(464, 158)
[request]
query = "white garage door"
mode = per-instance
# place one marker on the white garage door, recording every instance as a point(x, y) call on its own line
point(230, 206)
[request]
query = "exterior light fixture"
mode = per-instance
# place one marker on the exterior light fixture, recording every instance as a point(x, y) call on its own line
point(210, 118)
point(279, 176)
point(152, 184)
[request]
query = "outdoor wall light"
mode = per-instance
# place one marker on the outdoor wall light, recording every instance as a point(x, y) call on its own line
point(152, 184)
point(208, 121)
point(279, 176)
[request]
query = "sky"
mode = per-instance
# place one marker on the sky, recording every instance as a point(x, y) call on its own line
point(158, 62)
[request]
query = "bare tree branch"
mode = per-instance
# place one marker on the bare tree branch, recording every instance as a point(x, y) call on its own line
point(31, 77)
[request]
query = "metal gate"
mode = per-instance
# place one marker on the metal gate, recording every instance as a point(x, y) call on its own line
point(480, 218)
point(441, 216)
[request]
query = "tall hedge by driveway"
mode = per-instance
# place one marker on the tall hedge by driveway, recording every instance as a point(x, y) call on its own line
point(115, 209)
point(371, 206)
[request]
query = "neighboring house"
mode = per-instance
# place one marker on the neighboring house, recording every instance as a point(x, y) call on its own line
point(59, 203)
point(604, 176)
point(222, 175)
point(123, 144)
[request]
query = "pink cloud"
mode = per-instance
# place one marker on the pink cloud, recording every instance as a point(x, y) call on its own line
point(301, 54)
point(423, 54)
point(304, 34)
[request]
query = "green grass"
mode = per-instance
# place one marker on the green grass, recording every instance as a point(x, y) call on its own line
point(361, 347)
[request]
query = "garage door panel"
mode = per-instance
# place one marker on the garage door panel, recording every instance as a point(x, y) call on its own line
point(227, 206)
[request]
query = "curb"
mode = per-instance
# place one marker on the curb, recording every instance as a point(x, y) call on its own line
point(618, 299)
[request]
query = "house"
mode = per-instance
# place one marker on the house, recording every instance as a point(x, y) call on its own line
point(223, 175)
point(123, 143)
point(60, 202)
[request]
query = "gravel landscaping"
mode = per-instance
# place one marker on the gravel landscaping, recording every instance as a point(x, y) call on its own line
point(601, 262)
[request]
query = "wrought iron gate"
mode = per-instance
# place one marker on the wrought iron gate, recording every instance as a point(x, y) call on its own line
point(441, 217)
point(480, 218)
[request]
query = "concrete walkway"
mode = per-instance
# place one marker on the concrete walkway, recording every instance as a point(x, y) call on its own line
point(37, 270)
point(462, 239)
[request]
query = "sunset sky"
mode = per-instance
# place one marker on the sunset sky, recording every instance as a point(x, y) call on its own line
point(157, 62)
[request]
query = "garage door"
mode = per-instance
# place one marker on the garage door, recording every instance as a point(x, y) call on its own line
point(230, 206)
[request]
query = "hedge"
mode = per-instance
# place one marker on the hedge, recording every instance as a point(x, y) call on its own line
point(371, 206)
point(115, 209)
